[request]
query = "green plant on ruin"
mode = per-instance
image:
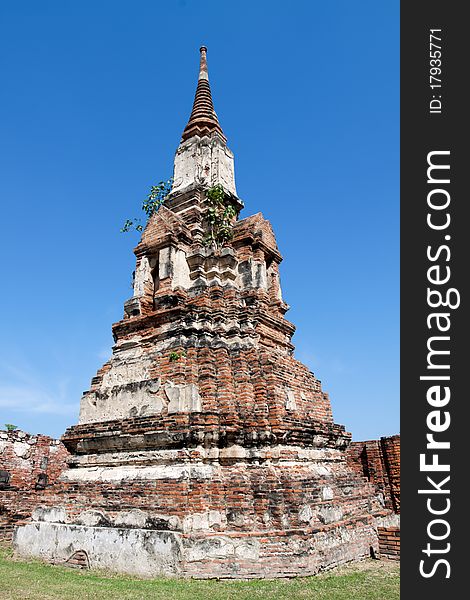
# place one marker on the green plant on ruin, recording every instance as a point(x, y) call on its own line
point(219, 217)
point(174, 356)
point(157, 196)
point(10, 427)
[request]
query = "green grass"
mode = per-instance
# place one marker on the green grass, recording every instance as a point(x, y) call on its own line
point(32, 580)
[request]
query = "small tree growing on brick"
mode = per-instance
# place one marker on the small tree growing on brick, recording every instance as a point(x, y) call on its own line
point(157, 196)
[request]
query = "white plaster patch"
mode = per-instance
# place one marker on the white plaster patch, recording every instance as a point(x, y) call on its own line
point(248, 550)
point(203, 521)
point(266, 518)
point(205, 160)
point(291, 404)
point(142, 552)
point(127, 366)
point(182, 398)
point(142, 277)
point(52, 514)
point(305, 513)
point(138, 399)
point(181, 271)
point(234, 452)
point(252, 275)
point(260, 275)
point(320, 470)
point(21, 449)
point(91, 518)
point(281, 453)
point(285, 521)
point(330, 514)
point(171, 522)
point(165, 262)
point(212, 547)
point(135, 472)
point(131, 518)
point(392, 520)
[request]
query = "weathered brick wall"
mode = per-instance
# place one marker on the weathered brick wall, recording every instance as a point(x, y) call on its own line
point(379, 461)
point(391, 452)
point(29, 464)
point(389, 542)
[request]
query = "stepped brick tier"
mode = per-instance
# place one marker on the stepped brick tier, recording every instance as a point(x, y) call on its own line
point(204, 448)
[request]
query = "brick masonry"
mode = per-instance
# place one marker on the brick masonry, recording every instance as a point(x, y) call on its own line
point(28, 464)
point(379, 461)
point(389, 542)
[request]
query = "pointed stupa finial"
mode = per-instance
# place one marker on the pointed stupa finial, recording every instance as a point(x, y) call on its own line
point(203, 72)
point(203, 119)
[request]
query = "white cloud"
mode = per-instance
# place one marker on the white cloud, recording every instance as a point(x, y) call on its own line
point(23, 398)
point(22, 391)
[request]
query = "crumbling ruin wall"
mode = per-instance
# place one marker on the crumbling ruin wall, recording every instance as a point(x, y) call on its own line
point(29, 464)
point(379, 461)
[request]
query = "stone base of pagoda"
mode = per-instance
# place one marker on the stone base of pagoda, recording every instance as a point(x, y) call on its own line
point(154, 553)
point(276, 511)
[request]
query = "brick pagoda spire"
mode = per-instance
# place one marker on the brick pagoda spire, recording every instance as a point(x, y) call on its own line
point(204, 448)
point(203, 119)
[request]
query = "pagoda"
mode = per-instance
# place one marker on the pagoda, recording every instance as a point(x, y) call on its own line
point(204, 448)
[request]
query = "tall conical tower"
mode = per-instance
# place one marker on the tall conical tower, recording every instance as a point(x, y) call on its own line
point(204, 448)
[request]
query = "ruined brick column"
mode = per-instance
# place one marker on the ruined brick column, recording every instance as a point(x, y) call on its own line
point(204, 448)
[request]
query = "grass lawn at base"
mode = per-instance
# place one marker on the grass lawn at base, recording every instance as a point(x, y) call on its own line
point(25, 580)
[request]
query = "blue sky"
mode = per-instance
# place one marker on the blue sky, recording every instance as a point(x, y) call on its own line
point(95, 97)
